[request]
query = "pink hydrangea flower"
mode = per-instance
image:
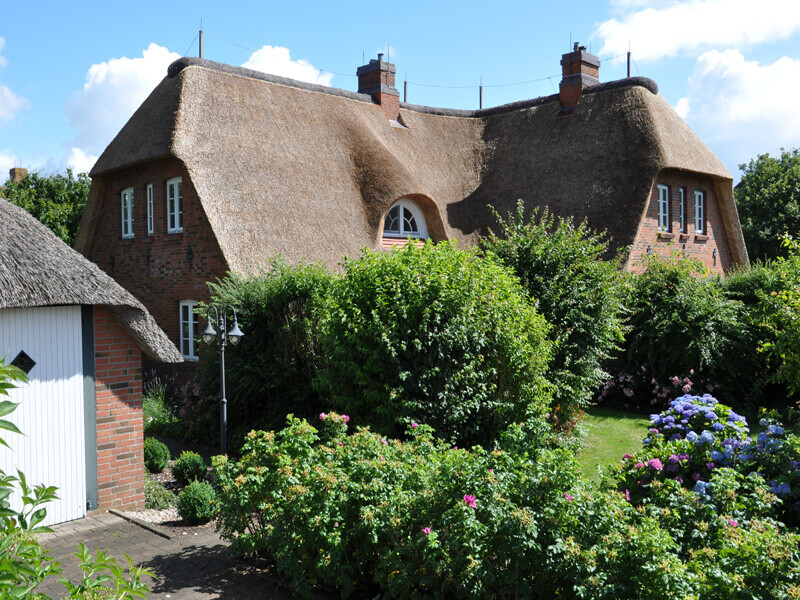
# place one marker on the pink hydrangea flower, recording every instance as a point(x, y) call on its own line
point(639, 465)
point(568, 497)
point(627, 456)
point(426, 530)
point(470, 501)
point(655, 464)
point(414, 425)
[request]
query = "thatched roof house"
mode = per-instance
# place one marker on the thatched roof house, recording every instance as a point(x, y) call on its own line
point(79, 337)
point(273, 166)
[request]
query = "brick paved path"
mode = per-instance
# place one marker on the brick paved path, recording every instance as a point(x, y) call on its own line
point(194, 566)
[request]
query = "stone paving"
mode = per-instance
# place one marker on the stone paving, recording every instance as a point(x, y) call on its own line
point(193, 564)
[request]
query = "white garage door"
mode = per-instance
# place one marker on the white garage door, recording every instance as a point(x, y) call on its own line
point(51, 411)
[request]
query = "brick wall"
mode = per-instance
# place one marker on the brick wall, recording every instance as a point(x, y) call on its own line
point(164, 268)
point(700, 246)
point(118, 389)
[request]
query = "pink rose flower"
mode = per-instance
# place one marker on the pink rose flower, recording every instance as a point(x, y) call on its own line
point(322, 415)
point(414, 425)
point(470, 501)
point(628, 495)
point(568, 497)
point(345, 418)
point(384, 442)
point(426, 530)
point(733, 523)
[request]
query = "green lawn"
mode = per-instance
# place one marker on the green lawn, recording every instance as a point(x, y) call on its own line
point(611, 434)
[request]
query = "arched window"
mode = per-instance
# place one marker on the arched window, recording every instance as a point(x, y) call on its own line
point(403, 220)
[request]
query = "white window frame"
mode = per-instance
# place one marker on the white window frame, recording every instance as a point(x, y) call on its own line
point(188, 332)
point(683, 210)
point(699, 212)
point(126, 206)
point(418, 217)
point(663, 208)
point(174, 205)
point(150, 228)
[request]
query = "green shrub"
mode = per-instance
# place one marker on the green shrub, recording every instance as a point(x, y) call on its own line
point(564, 269)
point(156, 455)
point(271, 369)
point(156, 495)
point(681, 322)
point(420, 519)
point(197, 502)
point(160, 415)
point(432, 334)
point(189, 467)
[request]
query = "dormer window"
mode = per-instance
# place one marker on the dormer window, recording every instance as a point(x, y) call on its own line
point(403, 220)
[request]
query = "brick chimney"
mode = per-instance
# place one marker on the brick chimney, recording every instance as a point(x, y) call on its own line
point(377, 79)
point(579, 70)
point(17, 174)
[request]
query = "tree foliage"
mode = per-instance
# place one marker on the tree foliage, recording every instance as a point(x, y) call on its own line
point(56, 200)
point(768, 200)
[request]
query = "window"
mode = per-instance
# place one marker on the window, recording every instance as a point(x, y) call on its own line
point(149, 209)
point(663, 208)
point(174, 206)
point(127, 213)
point(683, 210)
point(188, 330)
point(699, 212)
point(403, 220)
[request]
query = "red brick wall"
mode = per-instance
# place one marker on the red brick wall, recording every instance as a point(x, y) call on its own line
point(168, 276)
point(118, 389)
point(693, 245)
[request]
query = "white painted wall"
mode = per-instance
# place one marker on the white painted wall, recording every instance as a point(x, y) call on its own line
point(51, 411)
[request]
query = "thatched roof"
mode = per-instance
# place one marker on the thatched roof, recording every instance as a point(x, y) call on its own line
point(308, 172)
point(38, 269)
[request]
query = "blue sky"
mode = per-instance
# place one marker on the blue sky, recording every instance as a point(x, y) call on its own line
point(72, 73)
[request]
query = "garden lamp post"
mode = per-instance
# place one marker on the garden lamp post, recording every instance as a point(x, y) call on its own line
point(223, 336)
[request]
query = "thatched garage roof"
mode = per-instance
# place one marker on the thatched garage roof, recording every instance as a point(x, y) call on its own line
point(308, 171)
point(38, 269)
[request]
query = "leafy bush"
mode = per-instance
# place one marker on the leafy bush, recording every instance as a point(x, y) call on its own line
point(272, 367)
point(197, 502)
point(563, 268)
point(156, 495)
point(433, 334)
point(156, 455)
point(189, 467)
point(681, 321)
point(419, 519)
point(159, 412)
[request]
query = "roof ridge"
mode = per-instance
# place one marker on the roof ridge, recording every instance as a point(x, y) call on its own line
point(189, 61)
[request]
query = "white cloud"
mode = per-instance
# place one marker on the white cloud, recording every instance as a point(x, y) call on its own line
point(10, 103)
point(276, 60)
point(79, 161)
point(113, 91)
point(741, 107)
point(692, 26)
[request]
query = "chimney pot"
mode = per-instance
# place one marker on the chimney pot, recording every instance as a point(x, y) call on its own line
point(377, 79)
point(579, 70)
point(17, 174)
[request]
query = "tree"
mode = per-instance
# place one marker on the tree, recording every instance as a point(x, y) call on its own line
point(56, 200)
point(768, 200)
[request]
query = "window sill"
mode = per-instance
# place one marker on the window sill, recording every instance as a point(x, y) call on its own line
point(700, 237)
point(174, 231)
point(683, 237)
point(191, 359)
point(665, 235)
